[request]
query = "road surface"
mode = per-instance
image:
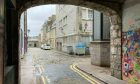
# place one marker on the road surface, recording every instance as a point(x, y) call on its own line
point(54, 67)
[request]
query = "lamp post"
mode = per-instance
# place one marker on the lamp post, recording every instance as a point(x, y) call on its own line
point(28, 32)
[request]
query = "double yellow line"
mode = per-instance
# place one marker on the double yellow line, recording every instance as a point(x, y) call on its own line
point(73, 67)
point(84, 75)
point(41, 70)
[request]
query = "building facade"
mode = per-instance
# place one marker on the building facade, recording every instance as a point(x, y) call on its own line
point(43, 34)
point(50, 31)
point(39, 39)
point(33, 42)
point(74, 24)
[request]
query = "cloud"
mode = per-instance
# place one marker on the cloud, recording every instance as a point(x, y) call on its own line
point(36, 16)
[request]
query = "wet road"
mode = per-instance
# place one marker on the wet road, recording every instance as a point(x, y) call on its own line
point(60, 74)
point(53, 67)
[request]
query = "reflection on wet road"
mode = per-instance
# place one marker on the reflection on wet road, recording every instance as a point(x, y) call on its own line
point(53, 67)
point(59, 74)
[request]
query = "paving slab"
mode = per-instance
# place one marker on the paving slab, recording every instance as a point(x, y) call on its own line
point(27, 70)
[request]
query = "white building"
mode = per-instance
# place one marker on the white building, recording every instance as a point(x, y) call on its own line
point(74, 24)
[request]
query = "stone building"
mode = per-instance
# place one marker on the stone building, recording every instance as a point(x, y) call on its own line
point(74, 24)
point(33, 42)
point(43, 34)
point(39, 39)
point(50, 31)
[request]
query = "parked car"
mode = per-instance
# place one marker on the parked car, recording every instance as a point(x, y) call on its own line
point(45, 46)
point(42, 46)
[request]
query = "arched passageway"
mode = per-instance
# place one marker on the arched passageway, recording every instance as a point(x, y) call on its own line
point(110, 8)
point(106, 8)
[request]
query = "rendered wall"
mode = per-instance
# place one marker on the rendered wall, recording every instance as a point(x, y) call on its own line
point(21, 45)
point(100, 53)
point(131, 42)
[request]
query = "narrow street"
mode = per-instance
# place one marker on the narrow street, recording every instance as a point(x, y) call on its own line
point(53, 67)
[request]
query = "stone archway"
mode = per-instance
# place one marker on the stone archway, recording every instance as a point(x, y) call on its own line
point(115, 19)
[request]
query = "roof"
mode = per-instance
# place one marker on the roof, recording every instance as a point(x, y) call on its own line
point(33, 39)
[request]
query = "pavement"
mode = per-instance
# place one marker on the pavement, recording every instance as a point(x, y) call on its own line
point(101, 73)
point(26, 70)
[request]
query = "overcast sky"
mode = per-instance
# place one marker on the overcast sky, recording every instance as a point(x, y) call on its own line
point(37, 16)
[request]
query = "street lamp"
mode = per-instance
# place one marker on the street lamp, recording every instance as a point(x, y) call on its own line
point(28, 32)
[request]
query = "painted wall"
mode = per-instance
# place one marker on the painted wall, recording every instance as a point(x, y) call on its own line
point(23, 34)
point(21, 42)
point(131, 42)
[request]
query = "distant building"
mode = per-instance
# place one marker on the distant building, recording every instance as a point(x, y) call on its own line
point(51, 30)
point(43, 34)
point(39, 39)
point(48, 31)
point(33, 42)
point(74, 24)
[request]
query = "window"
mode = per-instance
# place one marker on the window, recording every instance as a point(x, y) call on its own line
point(83, 13)
point(30, 45)
point(101, 26)
point(65, 20)
point(35, 45)
point(90, 14)
point(60, 23)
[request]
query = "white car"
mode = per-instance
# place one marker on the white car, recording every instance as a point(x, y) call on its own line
point(45, 46)
point(42, 46)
